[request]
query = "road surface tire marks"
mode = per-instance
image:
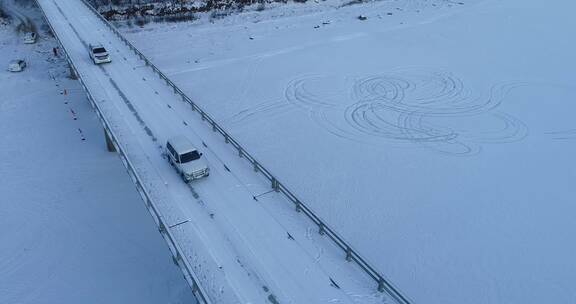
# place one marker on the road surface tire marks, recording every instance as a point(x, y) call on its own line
point(112, 82)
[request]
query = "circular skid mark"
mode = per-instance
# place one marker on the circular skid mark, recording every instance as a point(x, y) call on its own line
point(315, 92)
point(308, 93)
point(498, 127)
point(418, 107)
point(383, 87)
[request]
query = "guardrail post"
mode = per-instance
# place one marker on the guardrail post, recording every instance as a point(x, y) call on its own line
point(72, 72)
point(109, 144)
point(226, 139)
point(348, 254)
point(381, 287)
point(275, 184)
point(321, 229)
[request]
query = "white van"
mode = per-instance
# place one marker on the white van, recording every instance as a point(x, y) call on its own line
point(16, 65)
point(186, 159)
point(98, 54)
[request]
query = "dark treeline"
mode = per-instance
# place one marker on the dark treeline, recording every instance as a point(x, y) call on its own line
point(174, 9)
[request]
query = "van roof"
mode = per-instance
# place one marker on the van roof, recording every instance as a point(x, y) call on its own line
point(181, 144)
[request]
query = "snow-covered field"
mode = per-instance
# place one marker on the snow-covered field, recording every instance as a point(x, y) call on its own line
point(437, 136)
point(72, 227)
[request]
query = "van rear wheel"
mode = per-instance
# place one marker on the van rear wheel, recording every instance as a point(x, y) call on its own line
point(184, 178)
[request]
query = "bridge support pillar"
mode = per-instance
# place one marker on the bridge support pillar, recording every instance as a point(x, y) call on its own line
point(109, 144)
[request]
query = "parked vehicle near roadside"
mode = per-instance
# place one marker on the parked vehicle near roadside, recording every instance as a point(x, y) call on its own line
point(16, 65)
point(30, 38)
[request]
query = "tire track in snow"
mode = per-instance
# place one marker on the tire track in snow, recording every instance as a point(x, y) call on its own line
point(25, 23)
point(267, 109)
point(419, 107)
point(563, 135)
point(112, 82)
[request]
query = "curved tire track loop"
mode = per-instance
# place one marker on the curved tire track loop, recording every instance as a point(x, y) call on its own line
point(411, 106)
point(25, 24)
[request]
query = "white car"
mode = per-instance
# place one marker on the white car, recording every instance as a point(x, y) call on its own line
point(186, 159)
point(30, 37)
point(16, 65)
point(99, 54)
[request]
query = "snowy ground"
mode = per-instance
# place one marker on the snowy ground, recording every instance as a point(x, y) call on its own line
point(437, 136)
point(73, 229)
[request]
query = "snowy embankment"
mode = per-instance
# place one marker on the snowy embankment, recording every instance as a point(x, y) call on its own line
point(436, 136)
point(72, 228)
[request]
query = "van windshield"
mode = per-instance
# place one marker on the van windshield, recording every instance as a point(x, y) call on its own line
point(99, 50)
point(190, 156)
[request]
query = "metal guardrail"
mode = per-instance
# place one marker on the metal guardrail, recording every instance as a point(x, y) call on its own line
point(383, 285)
point(177, 253)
